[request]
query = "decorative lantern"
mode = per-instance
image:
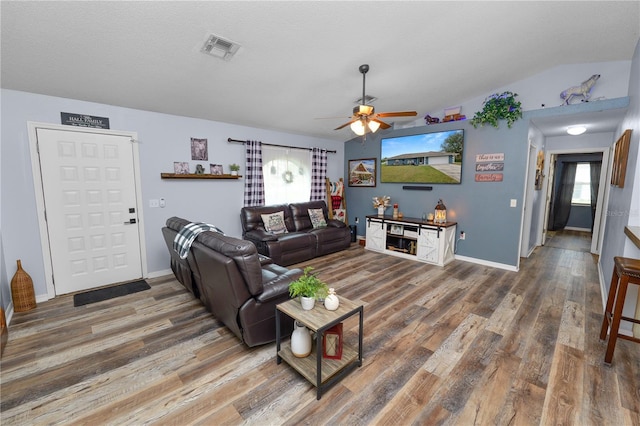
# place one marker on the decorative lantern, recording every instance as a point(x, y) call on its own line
point(440, 213)
point(332, 342)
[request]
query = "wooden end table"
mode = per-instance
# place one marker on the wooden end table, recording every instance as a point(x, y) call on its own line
point(322, 372)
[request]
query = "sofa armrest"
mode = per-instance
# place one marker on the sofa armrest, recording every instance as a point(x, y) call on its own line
point(278, 285)
point(259, 234)
point(334, 223)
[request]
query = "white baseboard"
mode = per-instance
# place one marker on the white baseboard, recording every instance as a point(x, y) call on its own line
point(487, 263)
point(9, 313)
point(161, 273)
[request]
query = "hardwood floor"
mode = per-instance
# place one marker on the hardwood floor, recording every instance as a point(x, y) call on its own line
point(464, 344)
point(569, 239)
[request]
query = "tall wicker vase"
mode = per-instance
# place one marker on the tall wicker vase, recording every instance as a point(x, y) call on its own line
point(24, 298)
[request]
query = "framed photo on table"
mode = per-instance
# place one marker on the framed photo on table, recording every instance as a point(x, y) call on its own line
point(332, 342)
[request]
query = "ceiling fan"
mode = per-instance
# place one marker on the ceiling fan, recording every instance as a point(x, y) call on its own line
point(365, 119)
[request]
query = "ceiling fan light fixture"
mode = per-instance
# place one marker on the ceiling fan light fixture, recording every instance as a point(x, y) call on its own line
point(576, 130)
point(357, 127)
point(363, 110)
point(373, 126)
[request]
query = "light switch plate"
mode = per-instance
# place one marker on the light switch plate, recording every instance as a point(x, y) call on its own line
point(514, 202)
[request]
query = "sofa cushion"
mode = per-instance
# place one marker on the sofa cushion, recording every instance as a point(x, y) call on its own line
point(243, 253)
point(274, 223)
point(317, 218)
point(251, 217)
point(300, 213)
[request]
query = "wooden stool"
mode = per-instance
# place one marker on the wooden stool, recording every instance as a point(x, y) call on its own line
point(625, 271)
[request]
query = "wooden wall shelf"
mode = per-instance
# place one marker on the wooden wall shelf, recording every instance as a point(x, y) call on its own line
point(194, 176)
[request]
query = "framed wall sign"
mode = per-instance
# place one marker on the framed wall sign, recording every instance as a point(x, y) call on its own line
point(84, 120)
point(332, 342)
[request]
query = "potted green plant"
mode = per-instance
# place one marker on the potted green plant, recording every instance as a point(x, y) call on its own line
point(234, 169)
point(309, 288)
point(497, 107)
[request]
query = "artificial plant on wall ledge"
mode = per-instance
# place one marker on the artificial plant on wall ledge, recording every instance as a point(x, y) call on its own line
point(496, 107)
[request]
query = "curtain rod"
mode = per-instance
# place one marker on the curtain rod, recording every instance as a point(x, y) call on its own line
point(279, 146)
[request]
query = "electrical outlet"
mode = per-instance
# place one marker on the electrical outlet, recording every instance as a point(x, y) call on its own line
point(462, 235)
point(357, 220)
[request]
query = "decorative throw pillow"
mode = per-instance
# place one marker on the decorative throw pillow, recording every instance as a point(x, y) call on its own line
point(317, 218)
point(274, 223)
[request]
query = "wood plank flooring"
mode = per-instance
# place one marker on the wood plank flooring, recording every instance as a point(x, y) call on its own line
point(464, 344)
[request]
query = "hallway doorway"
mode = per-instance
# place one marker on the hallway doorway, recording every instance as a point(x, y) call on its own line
point(598, 217)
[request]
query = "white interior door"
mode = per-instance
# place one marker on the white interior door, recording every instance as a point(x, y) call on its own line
point(89, 190)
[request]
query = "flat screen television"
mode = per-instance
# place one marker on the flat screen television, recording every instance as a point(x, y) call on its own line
point(423, 158)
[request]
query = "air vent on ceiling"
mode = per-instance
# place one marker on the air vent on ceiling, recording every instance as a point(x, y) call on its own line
point(220, 48)
point(367, 100)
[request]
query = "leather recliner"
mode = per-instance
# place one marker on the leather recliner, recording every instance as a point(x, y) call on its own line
point(238, 286)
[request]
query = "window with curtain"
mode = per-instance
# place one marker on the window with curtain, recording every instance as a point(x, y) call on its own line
point(582, 185)
point(287, 175)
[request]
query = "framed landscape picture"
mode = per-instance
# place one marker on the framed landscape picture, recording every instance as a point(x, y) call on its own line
point(362, 172)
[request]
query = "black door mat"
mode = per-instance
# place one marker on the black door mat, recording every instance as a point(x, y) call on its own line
point(94, 296)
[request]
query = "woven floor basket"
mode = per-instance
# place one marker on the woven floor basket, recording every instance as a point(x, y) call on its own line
point(24, 298)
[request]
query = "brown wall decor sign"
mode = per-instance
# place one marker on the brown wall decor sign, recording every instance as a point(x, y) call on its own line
point(620, 156)
point(487, 166)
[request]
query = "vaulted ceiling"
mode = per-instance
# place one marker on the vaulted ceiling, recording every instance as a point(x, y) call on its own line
point(298, 60)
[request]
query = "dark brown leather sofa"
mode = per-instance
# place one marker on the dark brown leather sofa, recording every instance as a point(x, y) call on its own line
point(302, 241)
point(237, 285)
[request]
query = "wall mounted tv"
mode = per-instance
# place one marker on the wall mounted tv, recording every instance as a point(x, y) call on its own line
point(423, 158)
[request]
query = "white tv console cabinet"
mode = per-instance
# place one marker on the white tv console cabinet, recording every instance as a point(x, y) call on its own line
point(411, 238)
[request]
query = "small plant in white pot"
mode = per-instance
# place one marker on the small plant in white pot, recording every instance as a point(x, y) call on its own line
point(309, 288)
point(234, 169)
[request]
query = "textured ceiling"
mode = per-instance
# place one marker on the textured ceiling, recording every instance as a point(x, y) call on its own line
point(299, 60)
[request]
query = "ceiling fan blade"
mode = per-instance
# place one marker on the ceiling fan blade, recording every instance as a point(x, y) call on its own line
point(346, 124)
point(383, 125)
point(397, 114)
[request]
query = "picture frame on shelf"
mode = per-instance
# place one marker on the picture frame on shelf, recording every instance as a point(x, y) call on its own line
point(181, 167)
point(216, 169)
point(362, 172)
point(396, 229)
